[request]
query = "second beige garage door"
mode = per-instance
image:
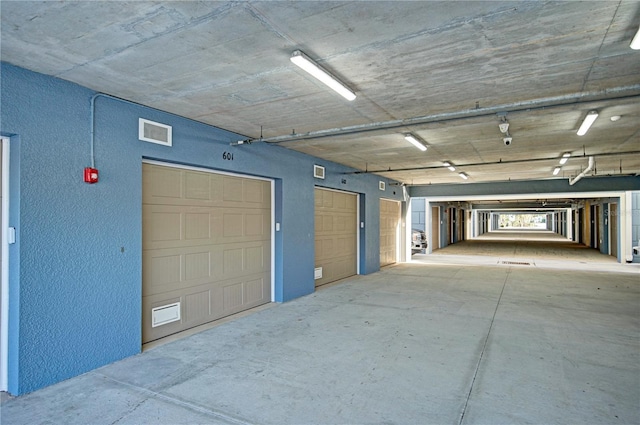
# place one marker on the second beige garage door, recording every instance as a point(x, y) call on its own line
point(389, 222)
point(206, 247)
point(336, 230)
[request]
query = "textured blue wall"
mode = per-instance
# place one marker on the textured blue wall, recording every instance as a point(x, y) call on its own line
point(76, 269)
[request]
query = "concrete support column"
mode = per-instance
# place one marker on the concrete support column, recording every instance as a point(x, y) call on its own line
point(428, 226)
point(625, 226)
point(474, 223)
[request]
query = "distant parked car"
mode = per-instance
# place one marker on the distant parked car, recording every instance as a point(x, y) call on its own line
point(418, 241)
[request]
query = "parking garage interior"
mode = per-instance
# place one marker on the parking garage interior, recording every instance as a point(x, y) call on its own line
point(208, 211)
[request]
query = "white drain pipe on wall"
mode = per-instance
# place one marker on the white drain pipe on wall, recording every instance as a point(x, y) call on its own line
point(584, 173)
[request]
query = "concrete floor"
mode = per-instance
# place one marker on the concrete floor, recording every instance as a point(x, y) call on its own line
point(427, 342)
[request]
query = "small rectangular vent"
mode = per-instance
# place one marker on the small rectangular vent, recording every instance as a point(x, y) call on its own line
point(317, 273)
point(382, 185)
point(154, 132)
point(165, 314)
point(318, 171)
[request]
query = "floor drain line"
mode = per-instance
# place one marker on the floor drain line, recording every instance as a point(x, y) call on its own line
point(484, 347)
point(516, 263)
point(175, 401)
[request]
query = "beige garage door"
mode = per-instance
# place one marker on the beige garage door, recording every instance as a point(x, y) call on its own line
point(389, 220)
point(206, 247)
point(335, 234)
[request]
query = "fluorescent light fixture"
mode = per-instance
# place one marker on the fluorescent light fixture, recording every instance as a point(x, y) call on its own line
point(449, 166)
point(564, 158)
point(586, 124)
point(415, 142)
point(463, 175)
point(304, 62)
point(556, 170)
point(635, 43)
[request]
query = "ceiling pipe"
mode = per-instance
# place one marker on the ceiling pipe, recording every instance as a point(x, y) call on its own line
point(583, 173)
point(480, 164)
point(618, 93)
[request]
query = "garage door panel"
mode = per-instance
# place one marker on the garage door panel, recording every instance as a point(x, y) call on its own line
point(204, 303)
point(255, 225)
point(344, 245)
point(197, 186)
point(167, 226)
point(257, 192)
point(164, 186)
point(339, 201)
point(197, 226)
point(337, 269)
point(255, 290)
point(206, 245)
point(176, 226)
point(197, 306)
point(256, 258)
point(165, 270)
point(232, 296)
point(232, 225)
point(197, 265)
point(327, 223)
point(175, 268)
point(336, 235)
point(232, 189)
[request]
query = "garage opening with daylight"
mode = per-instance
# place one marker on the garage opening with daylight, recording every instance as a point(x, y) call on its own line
point(320, 212)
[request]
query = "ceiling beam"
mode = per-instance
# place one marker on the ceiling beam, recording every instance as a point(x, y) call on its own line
point(497, 190)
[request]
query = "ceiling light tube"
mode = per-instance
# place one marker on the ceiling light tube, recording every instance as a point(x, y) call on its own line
point(304, 62)
point(635, 43)
point(415, 142)
point(556, 170)
point(449, 166)
point(463, 175)
point(586, 124)
point(564, 158)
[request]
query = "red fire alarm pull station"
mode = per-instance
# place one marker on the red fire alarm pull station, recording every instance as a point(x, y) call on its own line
point(90, 175)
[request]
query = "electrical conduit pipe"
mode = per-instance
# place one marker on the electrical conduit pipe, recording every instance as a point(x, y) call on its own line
point(583, 173)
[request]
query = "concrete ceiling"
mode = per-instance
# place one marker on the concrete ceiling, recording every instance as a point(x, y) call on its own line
point(446, 71)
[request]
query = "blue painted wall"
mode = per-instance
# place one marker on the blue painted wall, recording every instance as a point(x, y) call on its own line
point(418, 214)
point(76, 267)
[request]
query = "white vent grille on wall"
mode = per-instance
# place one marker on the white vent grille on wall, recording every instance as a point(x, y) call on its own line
point(382, 185)
point(318, 171)
point(154, 132)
